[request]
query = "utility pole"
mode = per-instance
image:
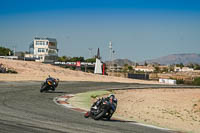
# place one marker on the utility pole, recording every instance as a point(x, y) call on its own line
point(90, 52)
point(113, 57)
point(14, 50)
point(110, 47)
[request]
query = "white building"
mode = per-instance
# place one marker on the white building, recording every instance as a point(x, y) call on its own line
point(43, 50)
point(167, 81)
point(184, 69)
point(115, 68)
point(187, 69)
point(144, 68)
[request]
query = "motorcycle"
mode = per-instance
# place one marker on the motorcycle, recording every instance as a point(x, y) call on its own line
point(102, 109)
point(50, 84)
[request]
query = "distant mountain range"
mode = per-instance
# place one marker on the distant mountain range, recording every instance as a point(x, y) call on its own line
point(177, 59)
point(120, 62)
point(165, 60)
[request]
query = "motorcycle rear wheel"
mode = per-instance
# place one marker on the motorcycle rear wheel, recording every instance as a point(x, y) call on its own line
point(108, 117)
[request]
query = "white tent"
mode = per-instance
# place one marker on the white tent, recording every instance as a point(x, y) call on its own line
point(98, 67)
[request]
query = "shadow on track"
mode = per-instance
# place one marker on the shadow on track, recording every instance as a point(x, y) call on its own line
point(115, 120)
point(55, 92)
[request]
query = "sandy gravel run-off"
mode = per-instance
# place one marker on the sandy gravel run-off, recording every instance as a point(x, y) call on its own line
point(177, 109)
point(35, 71)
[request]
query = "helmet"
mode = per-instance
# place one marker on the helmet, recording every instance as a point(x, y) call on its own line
point(111, 96)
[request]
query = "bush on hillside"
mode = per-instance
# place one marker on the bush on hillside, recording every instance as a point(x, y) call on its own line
point(11, 71)
point(196, 81)
point(179, 81)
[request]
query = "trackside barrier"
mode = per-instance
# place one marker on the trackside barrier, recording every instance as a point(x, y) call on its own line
point(167, 81)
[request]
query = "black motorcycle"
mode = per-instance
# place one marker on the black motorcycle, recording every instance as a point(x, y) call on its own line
point(102, 109)
point(50, 84)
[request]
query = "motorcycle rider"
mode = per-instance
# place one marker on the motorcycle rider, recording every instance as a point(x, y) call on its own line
point(53, 79)
point(113, 102)
point(111, 99)
point(50, 84)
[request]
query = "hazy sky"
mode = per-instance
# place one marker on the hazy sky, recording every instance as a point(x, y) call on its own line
point(139, 29)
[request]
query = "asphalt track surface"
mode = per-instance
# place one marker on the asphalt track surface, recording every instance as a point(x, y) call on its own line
point(23, 109)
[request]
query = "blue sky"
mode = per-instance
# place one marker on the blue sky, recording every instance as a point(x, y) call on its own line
point(139, 29)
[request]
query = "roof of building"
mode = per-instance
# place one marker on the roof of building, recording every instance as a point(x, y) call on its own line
point(49, 39)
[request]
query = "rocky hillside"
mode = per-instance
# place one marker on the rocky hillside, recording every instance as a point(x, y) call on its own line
point(120, 62)
point(177, 59)
point(165, 60)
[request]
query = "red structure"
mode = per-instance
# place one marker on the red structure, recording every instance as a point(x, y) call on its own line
point(78, 63)
point(104, 66)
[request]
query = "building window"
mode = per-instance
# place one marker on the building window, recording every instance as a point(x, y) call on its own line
point(41, 50)
point(41, 43)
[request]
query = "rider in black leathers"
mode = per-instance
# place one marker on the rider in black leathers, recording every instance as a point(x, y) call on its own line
point(113, 103)
point(50, 84)
point(55, 81)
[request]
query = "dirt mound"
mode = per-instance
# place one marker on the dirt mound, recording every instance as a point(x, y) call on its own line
point(35, 71)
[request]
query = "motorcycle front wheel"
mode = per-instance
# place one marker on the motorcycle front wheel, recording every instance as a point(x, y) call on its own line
point(99, 115)
point(43, 88)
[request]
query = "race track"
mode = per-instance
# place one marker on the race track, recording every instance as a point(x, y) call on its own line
point(24, 109)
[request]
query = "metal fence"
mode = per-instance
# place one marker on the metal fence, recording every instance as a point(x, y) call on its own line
point(138, 76)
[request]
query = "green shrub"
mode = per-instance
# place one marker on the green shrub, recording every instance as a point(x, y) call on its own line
point(94, 96)
point(5, 51)
point(179, 81)
point(11, 71)
point(196, 81)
